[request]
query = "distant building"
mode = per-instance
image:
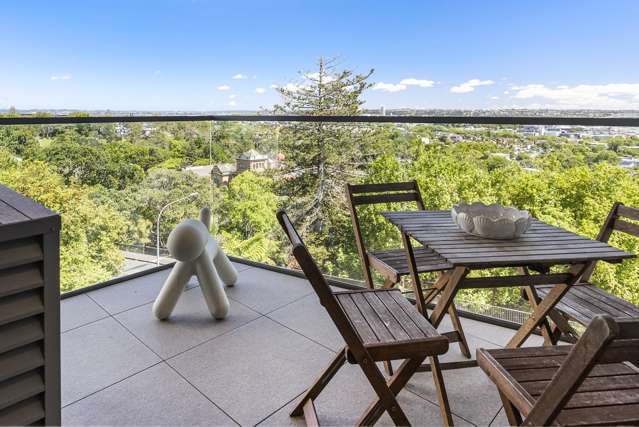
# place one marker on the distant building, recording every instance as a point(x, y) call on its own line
point(122, 130)
point(222, 173)
point(553, 131)
point(530, 131)
point(147, 130)
point(203, 171)
point(252, 160)
point(629, 162)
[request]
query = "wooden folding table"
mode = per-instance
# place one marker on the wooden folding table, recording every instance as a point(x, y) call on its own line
point(541, 247)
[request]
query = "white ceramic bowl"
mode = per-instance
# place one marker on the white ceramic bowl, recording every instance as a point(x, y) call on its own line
point(491, 221)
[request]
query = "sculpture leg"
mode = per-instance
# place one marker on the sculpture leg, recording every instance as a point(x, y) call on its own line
point(225, 268)
point(212, 287)
point(172, 289)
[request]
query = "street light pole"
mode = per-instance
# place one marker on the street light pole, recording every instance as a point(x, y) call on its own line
point(157, 229)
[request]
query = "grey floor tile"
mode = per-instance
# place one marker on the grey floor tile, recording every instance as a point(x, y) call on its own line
point(472, 395)
point(189, 325)
point(498, 335)
point(308, 317)
point(454, 353)
point(132, 293)
point(348, 395)
point(265, 291)
point(157, 396)
point(254, 370)
point(500, 420)
point(239, 267)
point(79, 310)
point(97, 355)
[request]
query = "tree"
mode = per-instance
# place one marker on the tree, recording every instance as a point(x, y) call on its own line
point(90, 234)
point(91, 165)
point(247, 222)
point(321, 157)
point(249, 205)
point(142, 202)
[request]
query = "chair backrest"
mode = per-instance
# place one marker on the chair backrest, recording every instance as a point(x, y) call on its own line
point(616, 221)
point(319, 284)
point(373, 194)
point(606, 340)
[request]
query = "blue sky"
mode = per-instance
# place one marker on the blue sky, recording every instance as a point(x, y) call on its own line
point(183, 54)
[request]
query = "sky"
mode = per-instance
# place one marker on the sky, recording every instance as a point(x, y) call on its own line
point(206, 55)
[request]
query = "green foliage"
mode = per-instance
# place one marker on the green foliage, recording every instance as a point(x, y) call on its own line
point(142, 202)
point(91, 165)
point(110, 181)
point(248, 218)
point(90, 232)
point(322, 157)
point(249, 205)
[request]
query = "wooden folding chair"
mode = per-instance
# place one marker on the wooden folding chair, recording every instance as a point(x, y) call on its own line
point(585, 300)
point(376, 325)
point(393, 264)
point(594, 382)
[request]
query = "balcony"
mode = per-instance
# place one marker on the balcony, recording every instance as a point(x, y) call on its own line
point(120, 366)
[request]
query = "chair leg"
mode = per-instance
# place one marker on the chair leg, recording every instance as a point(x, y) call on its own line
point(512, 414)
point(546, 330)
point(387, 391)
point(388, 283)
point(388, 366)
point(320, 383)
point(442, 396)
point(454, 318)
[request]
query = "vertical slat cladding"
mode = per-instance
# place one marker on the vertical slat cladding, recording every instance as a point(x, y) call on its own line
point(29, 311)
point(27, 412)
point(22, 332)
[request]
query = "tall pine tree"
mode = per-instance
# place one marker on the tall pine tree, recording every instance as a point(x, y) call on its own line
point(321, 157)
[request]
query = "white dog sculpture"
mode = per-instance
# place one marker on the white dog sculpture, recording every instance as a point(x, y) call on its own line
point(197, 253)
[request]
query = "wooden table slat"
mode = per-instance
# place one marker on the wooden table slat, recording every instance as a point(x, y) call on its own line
point(542, 244)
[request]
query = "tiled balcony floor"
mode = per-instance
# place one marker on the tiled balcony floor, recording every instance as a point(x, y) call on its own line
point(120, 366)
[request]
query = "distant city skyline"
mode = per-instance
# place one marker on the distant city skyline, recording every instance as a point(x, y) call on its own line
point(203, 55)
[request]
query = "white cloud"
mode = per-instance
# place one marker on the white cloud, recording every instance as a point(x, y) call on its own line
point(232, 103)
point(327, 78)
point(389, 87)
point(239, 76)
point(294, 87)
point(416, 82)
point(494, 97)
point(470, 85)
point(224, 87)
point(62, 77)
point(157, 72)
point(606, 96)
point(260, 90)
point(232, 96)
point(273, 86)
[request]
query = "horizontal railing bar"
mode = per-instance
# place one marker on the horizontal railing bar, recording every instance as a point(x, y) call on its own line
point(473, 120)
